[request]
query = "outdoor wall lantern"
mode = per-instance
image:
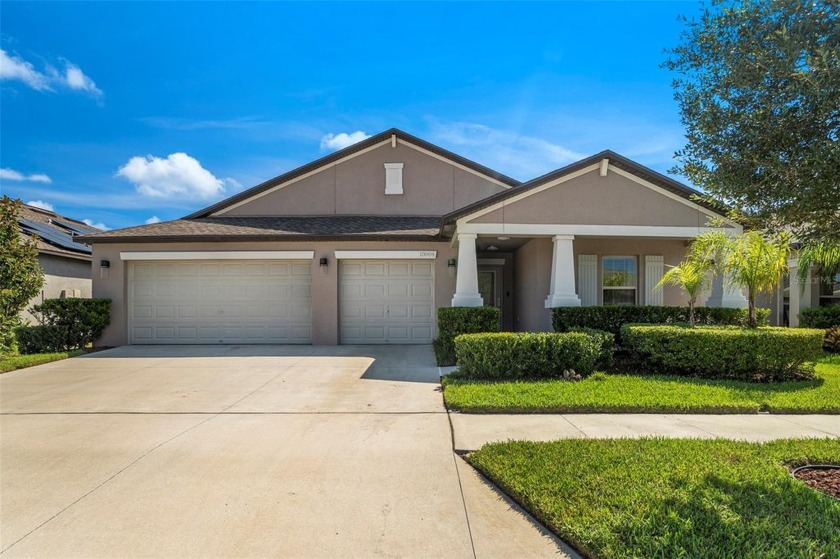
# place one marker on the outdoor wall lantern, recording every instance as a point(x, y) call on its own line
point(103, 268)
point(451, 264)
point(323, 263)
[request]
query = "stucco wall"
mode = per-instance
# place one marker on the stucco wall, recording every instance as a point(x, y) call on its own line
point(533, 273)
point(324, 283)
point(60, 274)
point(356, 186)
point(595, 200)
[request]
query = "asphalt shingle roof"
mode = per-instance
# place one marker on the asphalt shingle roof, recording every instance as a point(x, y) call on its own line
point(350, 227)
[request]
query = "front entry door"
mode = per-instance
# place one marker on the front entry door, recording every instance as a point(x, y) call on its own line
point(490, 286)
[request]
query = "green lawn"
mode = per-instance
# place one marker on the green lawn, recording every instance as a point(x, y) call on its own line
point(649, 394)
point(21, 361)
point(670, 498)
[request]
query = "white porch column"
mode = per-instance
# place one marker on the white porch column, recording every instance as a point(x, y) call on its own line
point(726, 295)
point(801, 293)
point(466, 281)
point(563, 292)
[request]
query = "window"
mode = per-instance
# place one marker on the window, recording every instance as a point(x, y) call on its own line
point(830, 291)
point(619, 279)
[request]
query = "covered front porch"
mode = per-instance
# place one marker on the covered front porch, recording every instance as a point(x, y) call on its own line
point(526, 275)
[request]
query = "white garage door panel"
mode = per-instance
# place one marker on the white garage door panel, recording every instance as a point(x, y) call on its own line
point(219, 302)
point(386, 301)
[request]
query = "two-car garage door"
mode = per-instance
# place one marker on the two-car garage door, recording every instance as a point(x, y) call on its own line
point(225, 301)
point(270, 301)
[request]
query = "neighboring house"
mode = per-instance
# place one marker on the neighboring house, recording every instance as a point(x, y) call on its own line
point(65, 261)
point(362, 246)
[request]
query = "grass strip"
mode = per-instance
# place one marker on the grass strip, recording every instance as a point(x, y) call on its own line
point(620, 393)
point(615, 499)
point(16, 362)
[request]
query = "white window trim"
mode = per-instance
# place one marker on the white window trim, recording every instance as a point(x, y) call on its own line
point(386, 254)
point(221, 255)
point(635, 288)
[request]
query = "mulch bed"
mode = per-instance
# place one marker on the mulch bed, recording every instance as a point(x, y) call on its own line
point(825, 480)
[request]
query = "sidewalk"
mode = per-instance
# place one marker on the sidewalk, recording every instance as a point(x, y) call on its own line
point(472, 431)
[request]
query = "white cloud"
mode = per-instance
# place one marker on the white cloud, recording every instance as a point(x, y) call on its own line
point(76, 79)
point(523, 157)
point(41, 204)
point(12, 175)
point(333, 142)
point(13, 67)
point(90, 223)
point(152, 220)
point(177, 176)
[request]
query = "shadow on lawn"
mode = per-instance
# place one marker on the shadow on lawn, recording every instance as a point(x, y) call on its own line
point(780, 517)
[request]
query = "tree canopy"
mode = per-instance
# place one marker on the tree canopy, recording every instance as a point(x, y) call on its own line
point(758, 84)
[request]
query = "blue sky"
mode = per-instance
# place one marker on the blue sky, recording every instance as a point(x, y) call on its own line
point(119, 113)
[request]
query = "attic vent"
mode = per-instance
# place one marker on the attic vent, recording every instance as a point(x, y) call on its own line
point(393, 178)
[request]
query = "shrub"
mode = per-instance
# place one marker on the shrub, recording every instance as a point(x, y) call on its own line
point(511, 355)
point(611, 318)
point(820, 317)
point(453, 321)
point(606, 341)
point(827, 318)
point(45, 338)
point(769, 354)
point(83, 320)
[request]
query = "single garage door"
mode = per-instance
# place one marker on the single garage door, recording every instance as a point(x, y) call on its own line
point(219, 302)
point(386, 301)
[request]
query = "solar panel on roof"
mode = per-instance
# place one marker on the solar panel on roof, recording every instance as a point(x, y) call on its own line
point(72, 227)
point(53, 236)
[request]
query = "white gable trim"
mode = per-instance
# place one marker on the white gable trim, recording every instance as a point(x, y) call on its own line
point(301, 177)
point(589, 169)
point(454, 164)
point(673, 196)
point(524, 195)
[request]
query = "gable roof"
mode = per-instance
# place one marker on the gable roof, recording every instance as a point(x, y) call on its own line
point(53, 233)
point(289, 228)
point(616, 160)
point(341, 154)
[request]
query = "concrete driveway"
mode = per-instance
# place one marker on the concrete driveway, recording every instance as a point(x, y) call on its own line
point(244, 451)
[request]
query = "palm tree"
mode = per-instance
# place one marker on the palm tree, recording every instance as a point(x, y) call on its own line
point(822, 254)
point(750, 260)
point(692, 277)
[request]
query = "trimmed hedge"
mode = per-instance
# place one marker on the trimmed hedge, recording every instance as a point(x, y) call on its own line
point(820, 317)
point(760, 354)
point(509, 355)
point(45, 338)
point(611, 318)
point(454, 321)
point(607, 343)
point(65, 324)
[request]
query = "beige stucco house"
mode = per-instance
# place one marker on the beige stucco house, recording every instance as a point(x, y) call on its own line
point(362, 246)
point(65, 261)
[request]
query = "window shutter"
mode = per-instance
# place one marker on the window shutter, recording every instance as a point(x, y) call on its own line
point(588, 279)
point(654, 270)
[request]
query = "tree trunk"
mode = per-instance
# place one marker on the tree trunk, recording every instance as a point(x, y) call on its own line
point(691, 313)
point(753, 320)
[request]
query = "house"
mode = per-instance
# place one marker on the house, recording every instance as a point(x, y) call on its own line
point(363, 245)
point(66, 261)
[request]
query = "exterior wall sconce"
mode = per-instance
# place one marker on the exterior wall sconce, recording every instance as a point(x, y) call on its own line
point(104, 265)
point(323, 262)
point(451, 265)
